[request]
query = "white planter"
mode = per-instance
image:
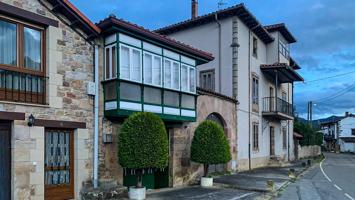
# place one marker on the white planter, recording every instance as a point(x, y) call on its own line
point(136, 193)
point(206, 182)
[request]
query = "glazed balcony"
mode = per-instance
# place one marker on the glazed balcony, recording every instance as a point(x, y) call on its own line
point(22, 87)
point(277, 108)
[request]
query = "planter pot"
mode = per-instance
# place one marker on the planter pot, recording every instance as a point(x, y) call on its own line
point(136, 193)
point(206, 182)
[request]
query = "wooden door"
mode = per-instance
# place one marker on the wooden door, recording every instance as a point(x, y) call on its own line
point(59, 164)
point(272, 141)
point(5, 161)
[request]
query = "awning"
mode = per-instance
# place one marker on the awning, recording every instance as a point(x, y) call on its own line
point(284, 72)
point(297, 135)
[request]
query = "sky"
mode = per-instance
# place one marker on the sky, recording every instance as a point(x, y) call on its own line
point(324, 29)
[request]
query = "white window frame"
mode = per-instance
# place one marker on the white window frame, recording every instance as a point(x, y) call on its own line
point(111, 76)
point(172, 74)
point(131, 61)
point(188, 78)
point(152, 63)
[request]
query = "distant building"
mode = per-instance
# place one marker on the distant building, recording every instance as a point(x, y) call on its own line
point(339, 131)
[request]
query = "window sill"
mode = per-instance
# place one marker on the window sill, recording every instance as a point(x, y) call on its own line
point(25, 104)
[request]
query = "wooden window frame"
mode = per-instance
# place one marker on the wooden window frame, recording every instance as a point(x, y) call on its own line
point(109, 65)
point(59, 192)
point(255, 47)
point(20, 25)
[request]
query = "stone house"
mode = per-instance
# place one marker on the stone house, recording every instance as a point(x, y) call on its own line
point(46, 115)
point(56, 134)
point(253, 65)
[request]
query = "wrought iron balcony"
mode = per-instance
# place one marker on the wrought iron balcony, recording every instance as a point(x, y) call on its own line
point(328, 137)
point(22, 87)
point(277, 108)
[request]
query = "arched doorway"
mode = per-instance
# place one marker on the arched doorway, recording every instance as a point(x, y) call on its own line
point(219, 168)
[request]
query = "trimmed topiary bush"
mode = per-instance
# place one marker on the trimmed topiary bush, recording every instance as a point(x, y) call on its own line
point(143, 144)
point(210, 145)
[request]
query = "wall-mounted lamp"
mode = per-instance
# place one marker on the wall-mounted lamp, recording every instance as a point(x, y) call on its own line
point(107, 138)
point(31, 120)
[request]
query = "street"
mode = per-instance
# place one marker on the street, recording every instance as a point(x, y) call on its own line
point(334, 178)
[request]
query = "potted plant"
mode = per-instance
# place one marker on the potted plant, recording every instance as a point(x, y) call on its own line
point(209, 146)
point(142, 144)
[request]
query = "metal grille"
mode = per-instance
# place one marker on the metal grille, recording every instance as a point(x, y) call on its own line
point(57, 159)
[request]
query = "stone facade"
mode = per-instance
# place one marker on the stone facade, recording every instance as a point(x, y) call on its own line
point(181, 169)
point(69, 67)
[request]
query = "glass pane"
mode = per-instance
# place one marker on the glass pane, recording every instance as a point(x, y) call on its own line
point(8, 44)
point(152, 95)
point(192, 80)
point(171, 99)
point(130, 92)
point(136, 65)
point(110, 91)
point(107, 63)
point(32, 49)
point(167, 73)
point(184, 78)
point(114, 67)
point(125, 62)
point(157, 71)
point(176, 76)
point(187, 101)
point(148, 68)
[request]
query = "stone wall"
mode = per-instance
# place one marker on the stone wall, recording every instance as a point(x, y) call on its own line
point(308, 151)
point(69, 67)
point(182, 169)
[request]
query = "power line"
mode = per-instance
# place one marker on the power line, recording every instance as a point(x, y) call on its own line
point(339, 93)
point(329, 77)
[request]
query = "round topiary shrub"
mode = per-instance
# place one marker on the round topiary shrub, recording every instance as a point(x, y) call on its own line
point(210, 145)
point(143, 144)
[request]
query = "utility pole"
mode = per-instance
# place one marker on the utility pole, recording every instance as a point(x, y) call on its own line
point(310, 113)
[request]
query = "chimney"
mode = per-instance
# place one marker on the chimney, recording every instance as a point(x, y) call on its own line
point(194, 9)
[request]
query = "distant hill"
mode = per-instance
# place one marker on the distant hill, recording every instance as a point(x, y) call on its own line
point(316, 123)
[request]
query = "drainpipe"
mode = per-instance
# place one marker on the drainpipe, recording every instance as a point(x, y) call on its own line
point(288, 125)
point(249, 110)
point(96, 117)
point(219, 53)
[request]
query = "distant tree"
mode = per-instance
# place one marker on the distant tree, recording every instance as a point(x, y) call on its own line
point(310, 135)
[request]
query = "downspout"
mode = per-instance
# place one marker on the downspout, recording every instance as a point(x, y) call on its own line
point(249, 110)
point(219, 53)
point(96, 117)
point(288, 126)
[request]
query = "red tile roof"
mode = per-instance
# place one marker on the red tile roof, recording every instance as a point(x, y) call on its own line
point(283, 30)
point(238, 10)
point(134, 28)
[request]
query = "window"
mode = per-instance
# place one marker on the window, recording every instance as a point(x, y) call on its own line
point(110, 62)
point(255, 47)
point(130, 63)
point(22, 70)
point(152, 69)
point(284, 138)
point(255, 136)
point(187, 101)
point(130, 92)
point(152, 95)
point(172, 74)
point(192, 74)
point(171, 99)
point(207, 79)
point(352, 131)
point(255, 91)
point(284, 49)
point(188, 78)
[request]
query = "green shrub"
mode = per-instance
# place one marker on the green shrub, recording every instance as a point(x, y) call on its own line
point(143, 144)
point(210, 145)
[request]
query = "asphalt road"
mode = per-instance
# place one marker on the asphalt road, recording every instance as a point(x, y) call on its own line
point(334, 178)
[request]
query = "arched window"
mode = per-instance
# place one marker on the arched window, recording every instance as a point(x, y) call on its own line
point(216, 118)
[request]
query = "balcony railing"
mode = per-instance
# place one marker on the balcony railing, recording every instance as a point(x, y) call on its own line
point(329, 137)
point(21, 87)
point(277, 105)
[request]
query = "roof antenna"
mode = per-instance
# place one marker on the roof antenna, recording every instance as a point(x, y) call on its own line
point(221, 3)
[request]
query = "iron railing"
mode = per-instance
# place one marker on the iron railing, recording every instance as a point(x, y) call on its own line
point(272, 104)
point(22, 87)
